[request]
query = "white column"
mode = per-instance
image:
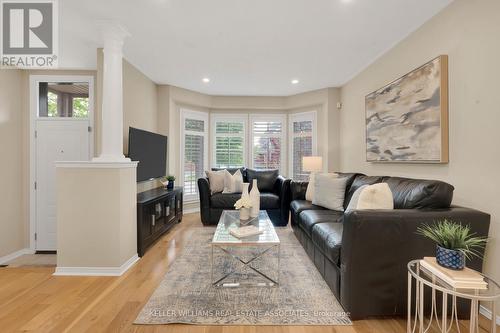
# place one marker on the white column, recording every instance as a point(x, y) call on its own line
point(112, 95)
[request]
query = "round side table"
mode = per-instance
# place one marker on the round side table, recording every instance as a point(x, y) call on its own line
point(424, 278)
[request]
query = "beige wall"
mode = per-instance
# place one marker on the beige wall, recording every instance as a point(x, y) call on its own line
point(11, 151)
point(468, 31)
point(14, 145)
point(101, 231)
point(173, 99)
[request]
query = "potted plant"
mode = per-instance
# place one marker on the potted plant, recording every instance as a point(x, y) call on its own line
point(454, 243)
point(171, 181)
point(168, 182)
point(243, 205)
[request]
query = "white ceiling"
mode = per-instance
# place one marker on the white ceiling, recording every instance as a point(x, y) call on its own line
point(246, 47)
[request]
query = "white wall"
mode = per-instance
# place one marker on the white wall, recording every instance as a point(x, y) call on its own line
point(468, 31)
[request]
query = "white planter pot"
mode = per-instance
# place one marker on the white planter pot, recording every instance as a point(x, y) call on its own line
point(255, 199)
point(244, 214)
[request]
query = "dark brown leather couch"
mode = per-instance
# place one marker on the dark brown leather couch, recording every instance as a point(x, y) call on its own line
point(363, 254)
point(274, 196)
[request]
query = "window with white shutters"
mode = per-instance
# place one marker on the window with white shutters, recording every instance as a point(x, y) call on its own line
point(302, 142)
point(268, 143)
point(194, 150)
point(228, 141)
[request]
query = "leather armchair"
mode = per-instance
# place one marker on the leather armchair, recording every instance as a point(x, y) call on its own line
point(276, 202)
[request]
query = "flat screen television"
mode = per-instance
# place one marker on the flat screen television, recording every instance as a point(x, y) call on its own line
point(150, 149)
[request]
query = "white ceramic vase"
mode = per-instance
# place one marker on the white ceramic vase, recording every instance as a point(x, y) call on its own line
point(255, 199)
point(244, 191)
point(244, 214)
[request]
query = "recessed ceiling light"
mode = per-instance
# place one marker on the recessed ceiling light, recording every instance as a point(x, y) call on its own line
point(206, 79)
point(295, 81)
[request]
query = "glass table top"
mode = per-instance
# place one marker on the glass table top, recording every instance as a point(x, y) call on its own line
point(230, 219)
point(423, 275)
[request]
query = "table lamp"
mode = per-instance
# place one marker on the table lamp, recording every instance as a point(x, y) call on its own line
point(312, 163)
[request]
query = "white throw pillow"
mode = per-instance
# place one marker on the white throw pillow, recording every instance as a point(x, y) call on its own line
point(233, 183)
point(310, 186)
point(376, 196)
point(353, 203)
point(329, 192)
point(216, 180)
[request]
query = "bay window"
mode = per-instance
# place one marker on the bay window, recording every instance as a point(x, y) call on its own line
point(302, 142)
point(194, 150)
point(228, 141)
point(267, 141)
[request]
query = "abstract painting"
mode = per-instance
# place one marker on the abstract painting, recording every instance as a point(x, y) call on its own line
point(407, 120)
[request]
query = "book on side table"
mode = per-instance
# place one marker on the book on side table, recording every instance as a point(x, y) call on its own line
point(463, 279)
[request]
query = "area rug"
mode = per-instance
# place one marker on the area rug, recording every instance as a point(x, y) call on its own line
point(186, 294)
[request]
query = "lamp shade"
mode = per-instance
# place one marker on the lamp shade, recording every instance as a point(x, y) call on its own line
point(312, 163)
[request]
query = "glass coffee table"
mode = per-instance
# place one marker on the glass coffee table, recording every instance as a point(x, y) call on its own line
point(258, 255)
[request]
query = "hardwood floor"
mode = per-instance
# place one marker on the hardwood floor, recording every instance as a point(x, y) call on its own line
point(31, 299)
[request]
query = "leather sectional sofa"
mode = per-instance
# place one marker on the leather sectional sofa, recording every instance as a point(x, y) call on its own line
point(363, 254)
point(274, 196)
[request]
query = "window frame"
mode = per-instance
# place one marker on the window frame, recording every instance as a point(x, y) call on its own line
point(269, 117)
point(196, 115)
point(216, 117)
point(298, 117)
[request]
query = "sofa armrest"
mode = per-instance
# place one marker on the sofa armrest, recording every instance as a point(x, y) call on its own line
point(298, 190)
point(282, 190)
point(378, 244)
point(204, 193)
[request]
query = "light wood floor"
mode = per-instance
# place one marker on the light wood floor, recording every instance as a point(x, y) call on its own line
point(31, 299)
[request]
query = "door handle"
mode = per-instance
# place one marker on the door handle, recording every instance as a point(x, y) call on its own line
point(153, 220)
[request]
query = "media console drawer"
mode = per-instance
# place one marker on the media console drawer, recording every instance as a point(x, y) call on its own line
point(158, 210)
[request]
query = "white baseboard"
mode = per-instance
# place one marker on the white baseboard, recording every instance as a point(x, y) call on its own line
point(15, 255)
point(97, 271)
point(191, 210)
point(487, 313)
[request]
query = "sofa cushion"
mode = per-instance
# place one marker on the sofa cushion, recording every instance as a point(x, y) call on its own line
point(328, 238)
point(359, 181)
point(265, 178)
point(224, 200)
point(227, 200)
point(298, 206)
point(309, 218)
point(269, 201)
point(419, 193)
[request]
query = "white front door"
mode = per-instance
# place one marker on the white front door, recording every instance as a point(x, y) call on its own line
point(62, 132)
point(56, 140)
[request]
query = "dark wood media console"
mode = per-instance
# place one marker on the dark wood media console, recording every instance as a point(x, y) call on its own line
point(158, 210)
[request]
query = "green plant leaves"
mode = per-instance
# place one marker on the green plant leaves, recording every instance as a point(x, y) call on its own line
point(454, 236)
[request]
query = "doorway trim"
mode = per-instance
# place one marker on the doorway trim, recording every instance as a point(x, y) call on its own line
point(33, 110)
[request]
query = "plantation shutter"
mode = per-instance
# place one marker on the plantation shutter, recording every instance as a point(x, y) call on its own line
point(267, 144)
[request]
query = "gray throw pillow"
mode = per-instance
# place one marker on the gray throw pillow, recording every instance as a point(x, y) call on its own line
point(216, 180)
point(329, 192)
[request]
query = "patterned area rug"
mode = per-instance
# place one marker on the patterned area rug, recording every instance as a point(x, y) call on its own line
point(186, 294)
